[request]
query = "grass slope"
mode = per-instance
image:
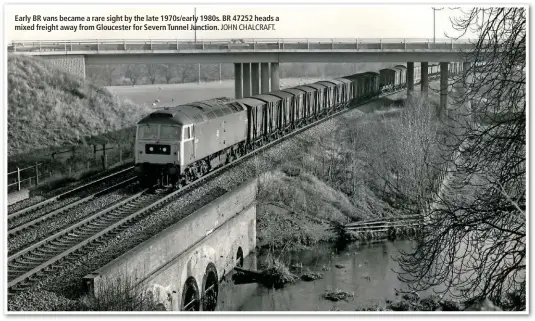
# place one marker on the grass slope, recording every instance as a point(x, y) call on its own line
point(50, 108)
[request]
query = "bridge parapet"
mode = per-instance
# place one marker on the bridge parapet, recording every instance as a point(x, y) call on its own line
point(45, 47)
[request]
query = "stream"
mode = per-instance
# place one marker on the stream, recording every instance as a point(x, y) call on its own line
point(366, 271)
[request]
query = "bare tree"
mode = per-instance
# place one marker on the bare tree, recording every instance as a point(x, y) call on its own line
point(185, 73)
point(103, 75)
point(107, 74)
point(134, 72)
point(152, 72)
point(168, 72)
point(475, 240)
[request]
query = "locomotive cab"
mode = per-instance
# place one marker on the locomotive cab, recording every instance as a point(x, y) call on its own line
point(158, 149)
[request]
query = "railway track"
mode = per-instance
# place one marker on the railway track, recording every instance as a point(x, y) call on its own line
point(65, 195)
point(22, 225)
point(36, 261)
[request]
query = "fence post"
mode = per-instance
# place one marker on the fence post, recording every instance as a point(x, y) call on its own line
point(104, 155)
point(70, 170)
point(120, 155)
point(95, 152)
point(36, 173)
point(18, 178)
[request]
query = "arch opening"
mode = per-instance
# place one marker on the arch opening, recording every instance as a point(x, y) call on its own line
point(210, 288)
point(239, 257)
point(190, 295)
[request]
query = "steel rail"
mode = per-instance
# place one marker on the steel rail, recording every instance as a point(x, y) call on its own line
point(33, 222)
point(62, 195)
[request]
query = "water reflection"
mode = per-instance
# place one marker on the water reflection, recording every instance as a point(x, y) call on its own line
point(366, 271)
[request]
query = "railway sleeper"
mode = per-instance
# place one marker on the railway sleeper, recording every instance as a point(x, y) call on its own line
point(34, 257)
point(115, 215)
point(70, 239)
point(14, 273)
point(15, 266)
point(57, 243)
point(19, 287)
point(109, 221)
point(48, 251)
point(29, 264)
point(94, 229)
point(122, 214)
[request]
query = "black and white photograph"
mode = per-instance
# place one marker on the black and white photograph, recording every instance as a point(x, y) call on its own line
point(258, 159)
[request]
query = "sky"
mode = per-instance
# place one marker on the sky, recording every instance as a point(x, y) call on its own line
point(296, 21)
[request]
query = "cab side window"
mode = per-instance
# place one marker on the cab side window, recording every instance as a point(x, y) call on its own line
point(188, 133)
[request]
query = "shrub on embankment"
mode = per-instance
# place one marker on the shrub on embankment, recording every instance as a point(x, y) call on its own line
point(50, 108)
point(378, 165)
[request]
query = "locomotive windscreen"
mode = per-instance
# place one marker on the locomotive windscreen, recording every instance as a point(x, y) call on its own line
point(161, 115)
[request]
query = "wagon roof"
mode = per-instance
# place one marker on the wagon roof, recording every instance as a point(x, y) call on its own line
point(281, 94)
point(250, 101)
point(192, 113)
point(386, 70)
point(305, 88)
point(355, 76)
point(326, 83)
point(401, 66)
point(295, 91)
point(316, 86)
point(344, 80)
point(268, 98)
point(372, 73)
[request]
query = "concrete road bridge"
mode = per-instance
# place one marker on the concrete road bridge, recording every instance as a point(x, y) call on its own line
point(256, 61)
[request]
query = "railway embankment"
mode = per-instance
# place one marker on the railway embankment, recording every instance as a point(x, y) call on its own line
point(370, 165)
point(44, 103)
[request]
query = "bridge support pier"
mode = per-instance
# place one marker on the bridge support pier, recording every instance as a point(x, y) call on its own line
point(424, 77)
point(255, 78)
point(467, 80)
point(443, 88)
point(246, 79)
point(275, 76)
point(264, 75)
point(410, 78)
point(238, 90)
